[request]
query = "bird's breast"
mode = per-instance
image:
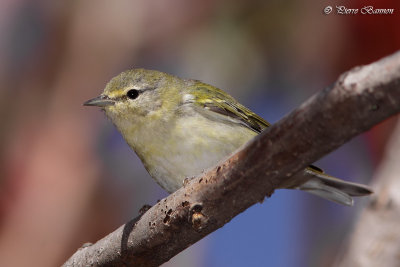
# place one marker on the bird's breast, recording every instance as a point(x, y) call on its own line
point(186, 147)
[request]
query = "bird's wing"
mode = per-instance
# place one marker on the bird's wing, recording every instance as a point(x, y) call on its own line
point(213, 99)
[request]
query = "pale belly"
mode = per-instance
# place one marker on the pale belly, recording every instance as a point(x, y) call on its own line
point(191, 150)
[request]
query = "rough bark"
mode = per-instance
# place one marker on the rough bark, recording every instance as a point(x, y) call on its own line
point(376, 237)
point(358, 100)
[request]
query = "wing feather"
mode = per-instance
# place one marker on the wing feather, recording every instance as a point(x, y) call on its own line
point(216, 100)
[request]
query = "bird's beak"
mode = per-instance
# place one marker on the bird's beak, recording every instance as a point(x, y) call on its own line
point(100, 101)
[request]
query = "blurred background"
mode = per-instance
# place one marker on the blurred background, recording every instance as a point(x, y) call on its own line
point(66, 175)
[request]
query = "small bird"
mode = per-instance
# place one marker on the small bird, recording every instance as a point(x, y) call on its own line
point(181, 127)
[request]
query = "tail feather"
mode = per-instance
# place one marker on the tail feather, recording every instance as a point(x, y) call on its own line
point(316, 187)
point(332, 188)
point(353, 189)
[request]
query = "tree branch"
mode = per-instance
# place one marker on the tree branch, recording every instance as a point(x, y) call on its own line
point(358, 100)
point(376, 237)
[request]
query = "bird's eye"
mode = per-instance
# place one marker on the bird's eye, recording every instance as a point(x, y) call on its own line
point(132, 94)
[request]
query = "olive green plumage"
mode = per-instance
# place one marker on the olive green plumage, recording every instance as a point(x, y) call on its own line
point(180, 127)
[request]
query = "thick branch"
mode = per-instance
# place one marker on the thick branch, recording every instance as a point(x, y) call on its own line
point(359, 99)
point(376, 237)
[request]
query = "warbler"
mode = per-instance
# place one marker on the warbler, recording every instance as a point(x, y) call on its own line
point(181, 127)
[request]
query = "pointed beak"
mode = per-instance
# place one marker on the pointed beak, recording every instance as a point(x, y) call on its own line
point(100, 101)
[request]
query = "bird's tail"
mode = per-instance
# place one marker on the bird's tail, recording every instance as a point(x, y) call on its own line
point(332, 188)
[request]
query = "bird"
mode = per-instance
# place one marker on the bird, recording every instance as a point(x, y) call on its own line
point(181, 127)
